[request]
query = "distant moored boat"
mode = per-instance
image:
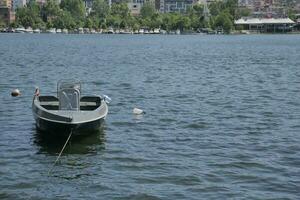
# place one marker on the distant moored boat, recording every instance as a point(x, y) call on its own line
point(20, 30)
point(37, 31)
point(29, 30)
point(65, 31)
point(52, 30)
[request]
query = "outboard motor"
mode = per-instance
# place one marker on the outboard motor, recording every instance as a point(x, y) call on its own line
point(68, 96)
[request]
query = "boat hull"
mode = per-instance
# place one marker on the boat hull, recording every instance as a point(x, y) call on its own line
point(69, 112)
point(64, 129)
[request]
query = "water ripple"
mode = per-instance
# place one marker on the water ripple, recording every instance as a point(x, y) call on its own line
point(222, 117)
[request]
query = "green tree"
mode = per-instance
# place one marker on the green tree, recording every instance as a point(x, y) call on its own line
point(13, 24)
point(292, 14)
point(243, 12)
point(2, 23)
point(148, 10)
point(89, 23)
point(169, 21)
point(224, 21)
point(198, 10)
point(120, 9)
point(123, 23)
point(51, 9)
point(29, 16)
point(71, 14)
point(63, 20)
point(134, 24)
point(96, 22)
point(215, 8)
point(75, 7)
point(113, 21)
point(231, 6)
point(156, 21)
point(100, 8)
point(49, 24)
point(196, 16)
point(183, 23)
point(119, 16)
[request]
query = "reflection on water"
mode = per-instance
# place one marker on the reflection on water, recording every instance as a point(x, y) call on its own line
point(84, 144)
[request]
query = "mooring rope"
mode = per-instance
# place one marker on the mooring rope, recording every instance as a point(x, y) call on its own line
point(60, 152)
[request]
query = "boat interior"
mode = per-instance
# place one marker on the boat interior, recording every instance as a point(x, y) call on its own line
point(86, 103)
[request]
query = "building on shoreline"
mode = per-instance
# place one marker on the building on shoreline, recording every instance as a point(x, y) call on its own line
point(135, 6)
point(181, 6)
point(7, 9)
point(7, 15)
point(17, 4)
point(265, 25)
point(270, 8)
point(5, 3)
point(6, 12)
point(163, 6)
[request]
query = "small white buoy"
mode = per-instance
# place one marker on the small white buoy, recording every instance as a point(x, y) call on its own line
point(15, 93)
point(138, 111)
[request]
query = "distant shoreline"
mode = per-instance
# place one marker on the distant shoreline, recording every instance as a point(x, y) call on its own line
point(86, 31)
point(289, 33)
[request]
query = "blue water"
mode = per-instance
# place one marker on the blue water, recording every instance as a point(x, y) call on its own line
point(222, 117)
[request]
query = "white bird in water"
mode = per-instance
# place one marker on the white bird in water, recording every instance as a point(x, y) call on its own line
point(138, 111)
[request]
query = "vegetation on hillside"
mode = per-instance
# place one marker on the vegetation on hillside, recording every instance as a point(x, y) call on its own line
point(71, 14)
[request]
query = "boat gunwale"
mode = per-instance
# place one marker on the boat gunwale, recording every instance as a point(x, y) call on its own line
point(68, 120)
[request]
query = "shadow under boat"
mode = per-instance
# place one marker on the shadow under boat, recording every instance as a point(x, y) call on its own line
point(83, 143)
